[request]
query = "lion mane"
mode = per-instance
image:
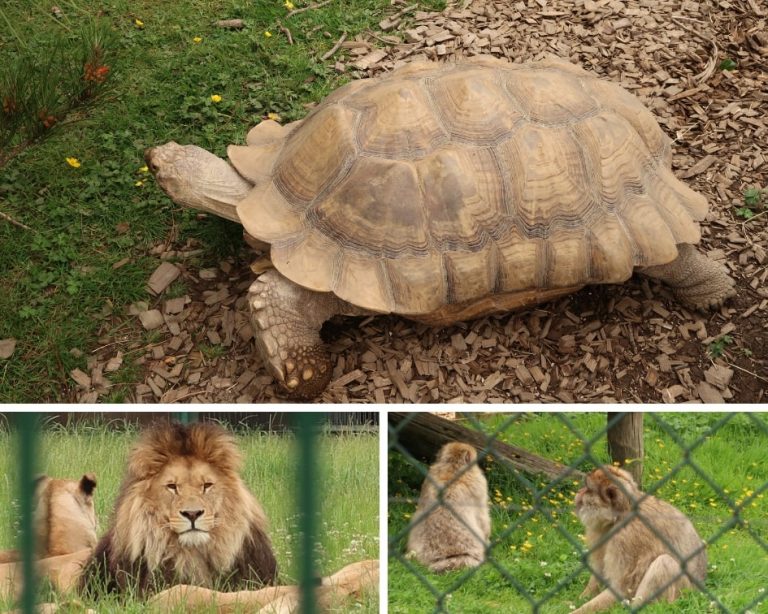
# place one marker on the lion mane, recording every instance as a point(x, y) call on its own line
point(183, 515)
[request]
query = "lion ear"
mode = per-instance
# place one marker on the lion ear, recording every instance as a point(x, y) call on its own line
point(88, 484)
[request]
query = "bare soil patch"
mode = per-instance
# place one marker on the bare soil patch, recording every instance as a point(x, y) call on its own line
point(628, 343)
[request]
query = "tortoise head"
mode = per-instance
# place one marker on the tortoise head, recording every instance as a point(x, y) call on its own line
point(175, 167)
point(195, 178)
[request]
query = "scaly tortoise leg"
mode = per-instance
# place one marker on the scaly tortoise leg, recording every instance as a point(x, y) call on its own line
point(286, 322)
point(695, 280)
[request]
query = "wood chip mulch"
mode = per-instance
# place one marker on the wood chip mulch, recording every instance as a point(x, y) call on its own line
point(628, 343)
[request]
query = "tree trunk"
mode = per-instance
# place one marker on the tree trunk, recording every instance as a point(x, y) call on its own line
point(625, 442)
point(423, 434)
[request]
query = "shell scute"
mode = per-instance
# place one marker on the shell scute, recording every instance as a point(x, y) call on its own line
point(314, 157)
point(398, 120)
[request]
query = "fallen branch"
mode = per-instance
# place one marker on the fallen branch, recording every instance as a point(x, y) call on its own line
point(423, 434)
point(308, 8)
point(285, 31)
point(335, 48)
point(8, 218)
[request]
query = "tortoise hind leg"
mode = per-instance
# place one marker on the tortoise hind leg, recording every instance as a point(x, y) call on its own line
point(286, 321)
point(696, 280)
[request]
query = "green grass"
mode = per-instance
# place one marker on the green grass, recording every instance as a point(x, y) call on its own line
point(58, 290)
point(526, 534)
point(348, 487)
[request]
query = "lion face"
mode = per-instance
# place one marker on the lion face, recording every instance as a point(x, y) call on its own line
point(184, 515)
point(190, 494)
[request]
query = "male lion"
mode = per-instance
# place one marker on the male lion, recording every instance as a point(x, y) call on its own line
point(183, 515)
point(64, 517)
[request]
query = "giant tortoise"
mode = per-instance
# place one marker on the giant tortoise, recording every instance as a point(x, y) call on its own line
point(444, 192)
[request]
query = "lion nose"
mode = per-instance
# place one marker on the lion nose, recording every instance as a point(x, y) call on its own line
point(192, 515)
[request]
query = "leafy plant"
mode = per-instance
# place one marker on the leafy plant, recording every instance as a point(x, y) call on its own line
point(754, 199)
point(717, 347)
point(49, 76)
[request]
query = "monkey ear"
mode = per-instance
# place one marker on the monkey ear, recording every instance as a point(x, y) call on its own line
point(612, 493)
point(467, 457)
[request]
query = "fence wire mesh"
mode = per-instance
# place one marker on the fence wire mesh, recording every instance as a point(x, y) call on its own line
point(712, 467)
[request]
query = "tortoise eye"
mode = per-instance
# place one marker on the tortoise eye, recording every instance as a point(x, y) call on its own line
point(172, 487)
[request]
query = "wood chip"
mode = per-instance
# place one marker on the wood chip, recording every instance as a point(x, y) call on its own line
point(82, 379)
point(151, 319)
point(7, 347)
point(709, 394)
point(230, 24)
point(163, 277)
point(114, 363)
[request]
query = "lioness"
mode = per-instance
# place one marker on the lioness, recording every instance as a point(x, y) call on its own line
point(183, 515)
point(64, 517)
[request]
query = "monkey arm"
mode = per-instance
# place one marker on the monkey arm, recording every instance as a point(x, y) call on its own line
point(592, 588)
point(602, 602)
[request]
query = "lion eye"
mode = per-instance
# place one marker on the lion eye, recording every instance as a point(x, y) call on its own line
point(171, 487)
point(206, 486)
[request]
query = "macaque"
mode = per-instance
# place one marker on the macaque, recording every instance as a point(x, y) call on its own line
point(451, 531)
point(634, 562)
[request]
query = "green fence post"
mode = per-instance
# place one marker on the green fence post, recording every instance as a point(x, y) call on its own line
point(27, 426)
point(307, 501)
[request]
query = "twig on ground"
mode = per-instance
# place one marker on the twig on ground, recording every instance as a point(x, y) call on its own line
point(285, 31)
point(8, 218)
point(711, 66)
point(308, 8)
point(730, 364)
point(335, 48)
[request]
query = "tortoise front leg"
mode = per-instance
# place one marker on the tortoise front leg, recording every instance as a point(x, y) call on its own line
point(696, 280)
point(286, 322)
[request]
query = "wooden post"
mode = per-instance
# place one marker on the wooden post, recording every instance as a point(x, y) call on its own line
point(625, 442)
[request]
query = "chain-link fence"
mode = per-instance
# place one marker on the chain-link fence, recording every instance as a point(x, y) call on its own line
point(297, 471)
point(697, 532)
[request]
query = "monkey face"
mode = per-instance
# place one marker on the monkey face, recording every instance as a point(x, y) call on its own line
point(605, 497)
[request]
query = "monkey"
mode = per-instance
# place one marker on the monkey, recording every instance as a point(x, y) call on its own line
point(452, 523)
point(634, 561)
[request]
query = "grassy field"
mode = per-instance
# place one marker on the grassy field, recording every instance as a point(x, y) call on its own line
point(528, 517)
point(59, 291)
point(348, 514)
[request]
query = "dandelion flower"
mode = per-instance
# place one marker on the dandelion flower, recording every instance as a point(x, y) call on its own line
point(289, 5)
point(273, 116)
point(144, 169)
point(197, 40)
point(215, 98)
point(138, 184)
point(138, 23)
point(267, 33)
point(73, 162)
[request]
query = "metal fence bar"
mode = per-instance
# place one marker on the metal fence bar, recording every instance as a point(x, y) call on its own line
point(27, 437)
point(307, 424)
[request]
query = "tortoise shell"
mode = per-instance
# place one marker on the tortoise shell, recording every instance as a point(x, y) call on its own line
point(450, 190)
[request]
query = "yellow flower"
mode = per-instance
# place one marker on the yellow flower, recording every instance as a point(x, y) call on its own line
point(138, 23)
point(144, 169)
point(289, 5)
point(267, 33)
point(138, 184)
point(273, 116)
point(73, 162)
point(197, 40)
point(215, 98)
